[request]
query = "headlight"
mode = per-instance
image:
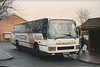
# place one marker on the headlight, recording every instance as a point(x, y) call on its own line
point(77, 41)
point(51, 48)
point(77, 46)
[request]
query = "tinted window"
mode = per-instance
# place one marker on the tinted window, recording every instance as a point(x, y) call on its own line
point(30, 27)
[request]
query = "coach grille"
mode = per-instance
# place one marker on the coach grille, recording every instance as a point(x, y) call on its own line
point(66, 48)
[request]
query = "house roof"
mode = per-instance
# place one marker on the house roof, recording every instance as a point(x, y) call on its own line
point(12, 19)
point(91, 23)
point(20, 17)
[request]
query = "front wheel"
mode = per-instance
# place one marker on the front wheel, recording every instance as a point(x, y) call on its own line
point(37, 52)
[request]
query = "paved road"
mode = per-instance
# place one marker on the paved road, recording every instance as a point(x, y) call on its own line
point(25, 59)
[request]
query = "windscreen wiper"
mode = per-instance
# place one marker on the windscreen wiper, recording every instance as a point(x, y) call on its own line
point(59, 37)
point(66, 35)
point(69, 35)
point(62, 36)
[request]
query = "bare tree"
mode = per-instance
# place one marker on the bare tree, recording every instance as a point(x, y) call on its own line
point(5, 5)
point(83, 15)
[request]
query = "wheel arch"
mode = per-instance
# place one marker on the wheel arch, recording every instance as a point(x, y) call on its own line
point(35, 44)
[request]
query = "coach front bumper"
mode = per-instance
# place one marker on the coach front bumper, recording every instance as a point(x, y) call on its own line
point(63, 48)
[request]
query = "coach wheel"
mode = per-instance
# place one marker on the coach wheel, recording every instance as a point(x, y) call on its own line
point(17, 44)
point(37, 50)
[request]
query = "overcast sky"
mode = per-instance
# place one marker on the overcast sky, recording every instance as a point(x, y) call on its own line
point(32, 10)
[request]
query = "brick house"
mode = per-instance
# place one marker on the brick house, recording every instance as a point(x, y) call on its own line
point(6, 26)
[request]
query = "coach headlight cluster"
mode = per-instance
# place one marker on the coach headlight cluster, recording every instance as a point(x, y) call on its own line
point(77, 46)
point(77, 41)
point(51, 48)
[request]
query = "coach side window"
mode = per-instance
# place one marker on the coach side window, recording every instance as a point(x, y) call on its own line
point(38, 26)
point(45, 31)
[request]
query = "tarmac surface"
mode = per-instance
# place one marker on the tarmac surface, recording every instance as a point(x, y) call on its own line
point(25, 59)
point(4, 55)
point(87, 56)
point(7, 66)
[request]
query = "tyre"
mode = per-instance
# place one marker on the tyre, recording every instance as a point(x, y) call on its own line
point(17, 44)
point(36, 49)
